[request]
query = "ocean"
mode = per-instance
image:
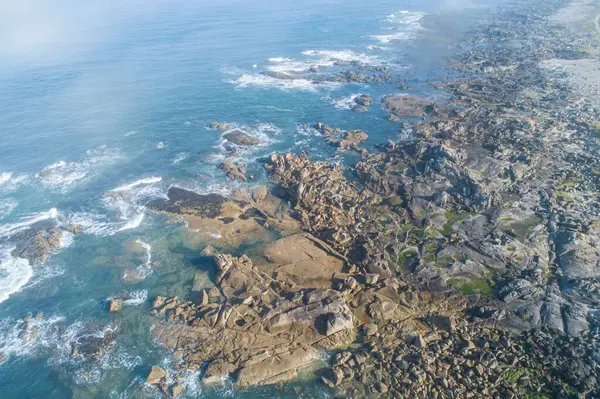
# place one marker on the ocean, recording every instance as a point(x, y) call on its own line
point(105, 105)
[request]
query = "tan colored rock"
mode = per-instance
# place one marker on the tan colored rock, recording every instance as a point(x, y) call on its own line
point(370, 329)
point(74, 228)
point(257, 324)
point(176, 390)
point(271, 369)
point(217, 371)
point(115, 305)
point(259, 193)
point(382, 310)
point(233, 171)
point(156, 375)
point(301, 261)
point(219, 126)
point(158, 301)
point(209, 250)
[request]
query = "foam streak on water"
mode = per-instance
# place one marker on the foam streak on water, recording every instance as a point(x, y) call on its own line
point(63, 175)
point(405, 24)
point(8, 230)
point(4, 177)
point(14, 273)
point(145, 181)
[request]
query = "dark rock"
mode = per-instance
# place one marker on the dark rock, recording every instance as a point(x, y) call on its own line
point(241, 138)
point(185, 202)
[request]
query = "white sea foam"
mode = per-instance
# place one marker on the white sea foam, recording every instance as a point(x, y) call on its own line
point(5, 177)
point(10, 229)
point(330, 57)
point(136, 298)
point(318, 59)
point(66, 240)
point(148, 248)
point(180, 157)
point(126, 201)
point(10, 182)
point(307, 130)
point(344, 102)
point(267, 133)
point(405, 17)
point(64, 174)
point(395, 37)
point(405, 24)
point(279, 109)
point(145, 181)
point(7, 207)
point(14, 273)
point(45, 272)
point(280, 59)
point(16, 338)
point(145, 269)
point(264, 81)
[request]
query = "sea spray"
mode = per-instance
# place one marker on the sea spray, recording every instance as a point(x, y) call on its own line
point(14, 273)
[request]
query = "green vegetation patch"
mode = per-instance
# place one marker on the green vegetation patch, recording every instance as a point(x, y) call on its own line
point(471, 286)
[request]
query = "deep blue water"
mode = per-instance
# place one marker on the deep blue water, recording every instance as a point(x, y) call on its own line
point(96, 97)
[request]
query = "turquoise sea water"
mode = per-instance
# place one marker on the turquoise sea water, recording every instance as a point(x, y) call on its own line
point(117, 97)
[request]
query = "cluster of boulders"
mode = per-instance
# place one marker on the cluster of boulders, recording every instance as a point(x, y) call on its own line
point(343, 139)
point(462, 261)
point(361, 103)
point(159, 377)
point(256, 327)
point(456, 361)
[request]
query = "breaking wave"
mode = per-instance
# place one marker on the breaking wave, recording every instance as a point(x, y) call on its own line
point(7, 207)
point(136, 298)
point(295, 83)
point(64, 174)
point(405, 24)
point(11, 229)
point(344, 102)
point(4, 177)
point(126, 202)
point(14, 273)
point(266, 133)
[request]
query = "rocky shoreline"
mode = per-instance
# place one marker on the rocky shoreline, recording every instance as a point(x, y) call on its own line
point(460, 262)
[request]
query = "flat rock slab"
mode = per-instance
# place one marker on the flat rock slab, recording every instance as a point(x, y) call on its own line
point(302, 261)
point(280, 367)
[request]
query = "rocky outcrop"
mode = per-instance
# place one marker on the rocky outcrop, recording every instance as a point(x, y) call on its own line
point(233, 170)
point(219, 126)
point(241, 138)
point(259, 330)
point(344, 140)
point(184, 202)
point(328, 204)
point(406, 105)
point(36, 245)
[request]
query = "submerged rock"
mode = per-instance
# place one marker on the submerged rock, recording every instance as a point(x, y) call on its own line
point(219, 126)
